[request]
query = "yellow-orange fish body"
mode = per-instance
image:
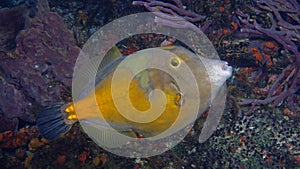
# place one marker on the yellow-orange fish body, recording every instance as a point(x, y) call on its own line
point(100, 99)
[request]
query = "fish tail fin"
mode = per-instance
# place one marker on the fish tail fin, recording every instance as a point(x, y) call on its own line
point(52, 122)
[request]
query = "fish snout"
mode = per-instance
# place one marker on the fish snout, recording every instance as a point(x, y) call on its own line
point(225, 67)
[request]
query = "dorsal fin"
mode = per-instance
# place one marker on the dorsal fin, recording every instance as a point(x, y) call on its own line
point(111, 55)
point(82, 82)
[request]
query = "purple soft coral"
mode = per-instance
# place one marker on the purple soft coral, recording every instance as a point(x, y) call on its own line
point(285, 29)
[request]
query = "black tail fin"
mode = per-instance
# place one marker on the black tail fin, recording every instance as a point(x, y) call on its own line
point(51, 122)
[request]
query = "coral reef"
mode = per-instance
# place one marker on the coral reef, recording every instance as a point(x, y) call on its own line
point(262, 140)
point(37, 53)
point(239, 137)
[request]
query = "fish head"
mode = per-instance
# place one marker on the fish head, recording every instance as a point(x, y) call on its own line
point(209, 74)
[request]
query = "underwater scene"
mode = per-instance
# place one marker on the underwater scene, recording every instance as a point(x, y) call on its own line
point(149, 84)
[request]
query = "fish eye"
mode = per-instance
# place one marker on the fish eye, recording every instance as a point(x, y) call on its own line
point(175, 62)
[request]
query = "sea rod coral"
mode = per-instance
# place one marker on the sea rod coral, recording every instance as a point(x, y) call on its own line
point(174, 14)
point(284, 28)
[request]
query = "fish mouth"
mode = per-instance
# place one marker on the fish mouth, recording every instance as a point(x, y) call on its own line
point(226, 67)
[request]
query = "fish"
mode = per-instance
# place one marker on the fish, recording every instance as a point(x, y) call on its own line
point(209, 76)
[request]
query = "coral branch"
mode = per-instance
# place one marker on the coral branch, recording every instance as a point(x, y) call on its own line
point(173, 15)
point(155, 6)
point(284, 29)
